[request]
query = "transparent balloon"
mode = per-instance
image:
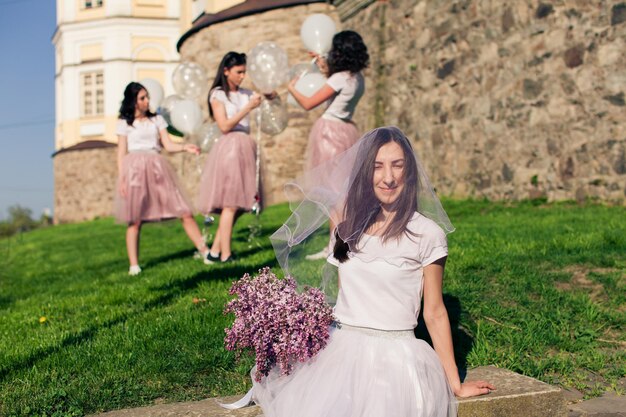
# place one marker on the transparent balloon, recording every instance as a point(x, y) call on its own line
point(155, 91)
point(301, 69)
point(267, 66)
point(206, 136)
point(307, 85)
point(273, 116)
point(186, 116)
point(167, 105)
point(317, 33)
point(190, 80)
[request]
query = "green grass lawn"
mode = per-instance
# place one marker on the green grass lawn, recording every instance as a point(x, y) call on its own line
point(538, 289)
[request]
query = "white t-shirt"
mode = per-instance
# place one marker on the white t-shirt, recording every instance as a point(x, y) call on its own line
point(350, 88)
point(143, 135)
point(235, 101)
point(382, 284)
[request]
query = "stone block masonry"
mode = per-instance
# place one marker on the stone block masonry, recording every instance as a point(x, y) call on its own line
point(504, 100)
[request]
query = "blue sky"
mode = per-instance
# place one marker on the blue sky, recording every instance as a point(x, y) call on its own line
point(26, 104)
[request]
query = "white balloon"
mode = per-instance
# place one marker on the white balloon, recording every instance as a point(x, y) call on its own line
point(308, 85)
point(186, 116)
point(317, 33)
point(155, 91)
point(274, 116)
point(267, 66)
point(190, 80)
point(206, 136)
point(167, 105)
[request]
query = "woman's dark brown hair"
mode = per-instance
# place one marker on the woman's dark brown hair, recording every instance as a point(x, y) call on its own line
point(362, 206)
point(231, 59)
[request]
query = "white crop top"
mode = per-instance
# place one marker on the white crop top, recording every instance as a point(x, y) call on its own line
point(349, 88)
point(382, 284)
point(235, 101)
point(143, 135)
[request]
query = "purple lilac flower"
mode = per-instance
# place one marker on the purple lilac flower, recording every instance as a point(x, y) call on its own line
point(277, 323)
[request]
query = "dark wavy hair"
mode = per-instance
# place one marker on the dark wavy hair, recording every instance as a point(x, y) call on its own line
point(362, 206)
point(231, 59)
point(127, 109)
point(348, 53)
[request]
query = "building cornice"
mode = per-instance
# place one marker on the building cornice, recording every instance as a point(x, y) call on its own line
point(108, 61)
point(86, 145)
point(173, 23)
point(247, 8)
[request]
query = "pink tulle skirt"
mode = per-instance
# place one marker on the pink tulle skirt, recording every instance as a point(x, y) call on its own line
point(361, 373)
point(229, 174)
point(153, 192)
point(329, 138)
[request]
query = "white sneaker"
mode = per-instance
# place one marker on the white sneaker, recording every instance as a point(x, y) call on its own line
point(134, 270)
point(323, 254)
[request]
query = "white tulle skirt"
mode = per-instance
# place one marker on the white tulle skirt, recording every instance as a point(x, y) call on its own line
point(361, 373)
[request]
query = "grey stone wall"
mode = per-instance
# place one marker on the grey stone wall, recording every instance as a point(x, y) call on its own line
point(506, 100)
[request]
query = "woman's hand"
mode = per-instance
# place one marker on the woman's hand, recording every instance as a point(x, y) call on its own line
point(474, 388)
point(292, 84)
point(255, 101)
point(122, 188)
point(320, 61)
point(191, 148)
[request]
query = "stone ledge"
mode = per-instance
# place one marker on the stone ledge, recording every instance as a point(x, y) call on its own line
point(517, 395)
point(608, 405)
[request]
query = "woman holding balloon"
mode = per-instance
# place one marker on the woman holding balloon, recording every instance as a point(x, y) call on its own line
point(228, 183)
point(148, 188)
point(334, 132)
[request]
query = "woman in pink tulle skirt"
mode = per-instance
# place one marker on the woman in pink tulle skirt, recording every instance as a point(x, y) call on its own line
point(148, 189)
point(228, 183)
point(335, 132)
point(390, 250)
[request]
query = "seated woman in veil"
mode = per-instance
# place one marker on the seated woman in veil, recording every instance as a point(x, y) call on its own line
point(390, 251)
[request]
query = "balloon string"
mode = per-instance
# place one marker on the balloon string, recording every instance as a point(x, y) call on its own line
point(258, 160)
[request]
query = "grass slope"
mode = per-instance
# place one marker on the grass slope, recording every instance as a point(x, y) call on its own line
point(536, 289)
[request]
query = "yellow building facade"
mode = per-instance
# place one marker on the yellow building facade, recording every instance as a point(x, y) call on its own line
point(102, 45)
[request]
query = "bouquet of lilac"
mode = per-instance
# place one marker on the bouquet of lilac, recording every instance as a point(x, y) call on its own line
point(280, 325)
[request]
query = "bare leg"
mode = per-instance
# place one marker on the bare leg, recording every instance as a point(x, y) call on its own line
point(132, 242)
point(194, 234)
point(215, 247)
point(221, 244)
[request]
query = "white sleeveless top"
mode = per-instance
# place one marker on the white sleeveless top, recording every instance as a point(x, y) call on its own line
point(381, 285)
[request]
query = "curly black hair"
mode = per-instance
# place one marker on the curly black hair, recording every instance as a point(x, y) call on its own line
point(348, 53)
point(127, 109)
